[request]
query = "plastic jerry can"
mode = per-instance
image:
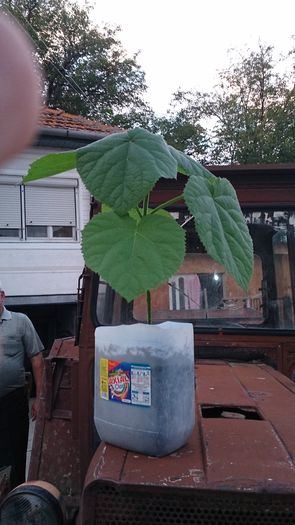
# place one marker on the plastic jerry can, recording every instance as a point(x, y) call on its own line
point(144, 398)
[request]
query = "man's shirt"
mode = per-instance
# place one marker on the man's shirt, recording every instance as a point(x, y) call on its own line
point(18, 338)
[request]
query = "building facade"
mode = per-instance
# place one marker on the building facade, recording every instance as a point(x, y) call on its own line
point(41, 224)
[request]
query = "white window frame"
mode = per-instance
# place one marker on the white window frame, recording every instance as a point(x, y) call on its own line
point(16, 180)
point(50, 237)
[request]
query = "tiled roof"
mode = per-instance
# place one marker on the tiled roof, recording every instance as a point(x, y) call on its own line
point(57, 118)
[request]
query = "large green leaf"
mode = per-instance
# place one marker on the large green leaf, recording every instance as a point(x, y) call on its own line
point(137, 216)
point(133, 257)
point(221, 225)
point(121, 169)
point(186, 164)
point(51, 165)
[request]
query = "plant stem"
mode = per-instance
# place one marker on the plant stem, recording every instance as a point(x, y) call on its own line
point(139, 212)
point(146, 204)
point(149, 307)
point(148, 293)
point(168, 203)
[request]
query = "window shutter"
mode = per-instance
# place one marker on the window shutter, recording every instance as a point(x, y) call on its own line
point(10, 206)
point(50, 206)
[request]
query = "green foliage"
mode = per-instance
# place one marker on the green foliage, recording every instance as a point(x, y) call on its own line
point(249, 116)
point(220, 225)
point(182, 127)
point(121, 169)
point(253, 110)
point(133, 255)
point(86, 70)
point(47, 166)
point(182, 134)
point(133, 247)
point(187, 165)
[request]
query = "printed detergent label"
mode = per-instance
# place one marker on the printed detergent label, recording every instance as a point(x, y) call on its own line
point(124, 382)
point(104, 387)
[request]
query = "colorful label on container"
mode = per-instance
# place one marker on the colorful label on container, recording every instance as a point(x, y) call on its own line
point(124, 382)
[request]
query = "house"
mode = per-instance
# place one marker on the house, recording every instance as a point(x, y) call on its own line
point(40, 227)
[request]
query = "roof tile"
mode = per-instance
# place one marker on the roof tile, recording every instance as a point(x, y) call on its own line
point(57, 118)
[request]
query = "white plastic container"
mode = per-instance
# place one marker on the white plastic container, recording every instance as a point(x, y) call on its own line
point(144, 397)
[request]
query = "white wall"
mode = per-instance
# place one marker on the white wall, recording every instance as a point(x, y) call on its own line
point(42, 268)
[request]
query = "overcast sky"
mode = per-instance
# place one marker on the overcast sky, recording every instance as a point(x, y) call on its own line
point(183, 44)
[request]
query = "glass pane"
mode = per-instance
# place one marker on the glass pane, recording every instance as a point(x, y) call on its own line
point(108, 305)
point(284, 303)
point(10, 232)
point(36, 231)
point(203, 293)
point(62, 231)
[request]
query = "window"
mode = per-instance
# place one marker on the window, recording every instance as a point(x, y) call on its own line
point(184, 292)
point(10, 211)
point(62, 232)
point(10, 233)
point(50, 212)
point(36, 232)
point(212, 290)
point(50, 232)
point(205, 294)
point(38, 211)
point(196, 291)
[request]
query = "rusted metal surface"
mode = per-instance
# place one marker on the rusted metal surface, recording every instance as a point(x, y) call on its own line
point(244, 443)
point(86, 379)
point(55, 453)
point(259, 186)
point(64, 437)
point(275, 350)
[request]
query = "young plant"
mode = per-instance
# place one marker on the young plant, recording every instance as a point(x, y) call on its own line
point(135, 248)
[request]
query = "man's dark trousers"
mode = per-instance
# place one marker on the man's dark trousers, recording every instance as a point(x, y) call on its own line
point(14, 428)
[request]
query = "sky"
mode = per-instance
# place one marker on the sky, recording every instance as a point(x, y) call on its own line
point(183, 44)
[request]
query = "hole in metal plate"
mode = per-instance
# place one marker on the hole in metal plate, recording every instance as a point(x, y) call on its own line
point(230, 412)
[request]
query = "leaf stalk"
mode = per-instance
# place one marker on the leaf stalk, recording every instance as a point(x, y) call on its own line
point(149, 307)
point(168, 203)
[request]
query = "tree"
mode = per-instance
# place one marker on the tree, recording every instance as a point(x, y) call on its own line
point(142, 116)
point(249, 117)
point(86, 69)
point(253, 109)
point(182, 127)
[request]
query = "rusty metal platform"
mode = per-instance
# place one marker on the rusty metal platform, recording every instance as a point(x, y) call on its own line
point(238, 467)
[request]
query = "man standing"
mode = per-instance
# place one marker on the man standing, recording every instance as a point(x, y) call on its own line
point(17, 339)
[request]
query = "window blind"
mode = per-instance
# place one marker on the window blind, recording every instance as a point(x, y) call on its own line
point(50, 206)
point(10, 206)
